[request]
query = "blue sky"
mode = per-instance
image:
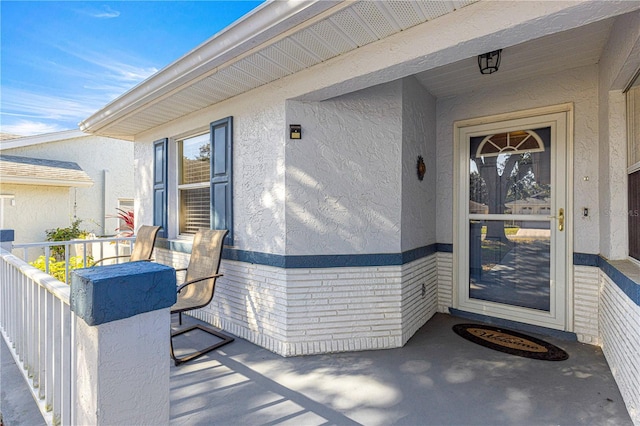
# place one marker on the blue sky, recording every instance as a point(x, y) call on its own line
point(61, 61)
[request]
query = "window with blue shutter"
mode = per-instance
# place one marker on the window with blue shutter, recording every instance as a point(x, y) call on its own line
point(160, 186)
point(221, 176)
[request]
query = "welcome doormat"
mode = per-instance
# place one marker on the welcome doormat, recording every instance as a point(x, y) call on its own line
point(510, 342)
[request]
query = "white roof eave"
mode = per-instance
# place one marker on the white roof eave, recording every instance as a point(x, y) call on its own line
point(41, 139)
point(30, 180)
point(265, 22)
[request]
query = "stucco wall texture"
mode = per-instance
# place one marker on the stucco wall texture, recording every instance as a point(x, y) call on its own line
point(343, 179)
point(418, 139)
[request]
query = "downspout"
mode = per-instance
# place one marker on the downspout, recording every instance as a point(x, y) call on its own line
point(105, 174)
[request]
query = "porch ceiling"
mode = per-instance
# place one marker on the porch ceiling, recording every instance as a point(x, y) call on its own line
point(327, 29)
point(547, 55)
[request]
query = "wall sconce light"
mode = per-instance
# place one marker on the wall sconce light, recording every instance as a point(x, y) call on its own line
point(295, 131)
point(489, 62)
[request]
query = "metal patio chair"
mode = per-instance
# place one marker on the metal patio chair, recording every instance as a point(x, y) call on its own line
point(198, 288)
point(142, 246)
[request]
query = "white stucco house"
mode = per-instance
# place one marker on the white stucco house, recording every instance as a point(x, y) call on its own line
point(50, 180)
point(314, 117)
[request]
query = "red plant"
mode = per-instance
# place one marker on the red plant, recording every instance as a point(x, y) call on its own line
point(127, 219)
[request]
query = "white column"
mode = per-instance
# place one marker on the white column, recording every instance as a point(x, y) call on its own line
point(123, 371)
point(122, 332)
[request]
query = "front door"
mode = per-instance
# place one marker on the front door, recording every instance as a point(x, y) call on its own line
point(511, 244)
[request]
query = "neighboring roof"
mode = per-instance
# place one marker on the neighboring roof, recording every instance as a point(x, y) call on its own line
point(273, 41)
point(7, 136)
point(22, 141)
point(38, 171)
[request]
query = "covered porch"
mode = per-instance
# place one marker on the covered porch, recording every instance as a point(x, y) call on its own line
point(334, 227)
point(436, 378)
point(338, 246)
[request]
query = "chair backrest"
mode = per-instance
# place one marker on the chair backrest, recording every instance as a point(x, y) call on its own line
point(145, 240)
point(206, 253)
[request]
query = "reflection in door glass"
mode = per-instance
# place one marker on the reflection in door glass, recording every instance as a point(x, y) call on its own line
point(514, 270)
point(509, 261)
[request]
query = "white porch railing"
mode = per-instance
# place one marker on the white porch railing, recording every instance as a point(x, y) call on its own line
point(94, 248)
point(37, 324)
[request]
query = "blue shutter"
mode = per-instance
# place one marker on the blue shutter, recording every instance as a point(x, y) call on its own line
point(221, 177)
point(160, 186)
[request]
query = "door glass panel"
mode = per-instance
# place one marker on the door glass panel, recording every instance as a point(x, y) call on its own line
point(514, 270)
point(509, 260)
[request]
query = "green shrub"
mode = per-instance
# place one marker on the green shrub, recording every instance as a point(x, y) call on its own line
point(56, 267)
point(64, 234)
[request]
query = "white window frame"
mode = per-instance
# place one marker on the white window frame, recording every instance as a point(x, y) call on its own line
point(633, 145)
point(173, 177)
point(183, 187)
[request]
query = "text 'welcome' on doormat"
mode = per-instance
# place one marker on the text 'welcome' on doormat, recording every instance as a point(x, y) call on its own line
point(511, 342)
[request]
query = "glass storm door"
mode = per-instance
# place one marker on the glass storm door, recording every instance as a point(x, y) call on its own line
point(512, 220)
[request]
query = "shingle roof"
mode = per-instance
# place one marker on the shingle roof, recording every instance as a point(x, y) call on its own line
point(8, 136)
point(38, 171)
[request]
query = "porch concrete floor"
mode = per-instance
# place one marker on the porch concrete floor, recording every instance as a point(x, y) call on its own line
point(17, 406)
point(437, 378)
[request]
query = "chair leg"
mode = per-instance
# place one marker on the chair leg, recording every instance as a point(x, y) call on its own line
point(179, 318)
point(179, 360)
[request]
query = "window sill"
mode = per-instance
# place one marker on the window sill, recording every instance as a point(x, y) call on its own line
point(181, 245)
point(625, 274)
point(628, 268)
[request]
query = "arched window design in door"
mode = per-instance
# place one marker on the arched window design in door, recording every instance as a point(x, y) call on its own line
point(516, 142)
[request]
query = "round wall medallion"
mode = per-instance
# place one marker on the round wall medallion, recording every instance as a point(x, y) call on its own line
point(422, 168)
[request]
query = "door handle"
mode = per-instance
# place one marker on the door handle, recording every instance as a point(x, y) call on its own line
point(561, 220)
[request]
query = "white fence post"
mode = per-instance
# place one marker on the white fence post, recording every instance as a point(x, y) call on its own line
point(122, 328)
